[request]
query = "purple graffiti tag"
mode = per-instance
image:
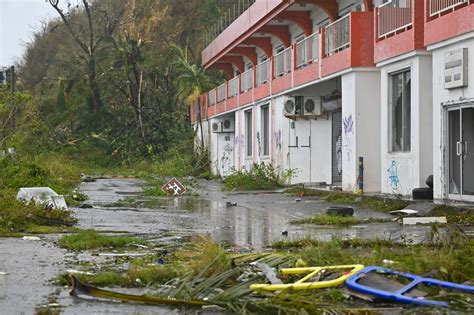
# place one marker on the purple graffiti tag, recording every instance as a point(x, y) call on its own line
point(278, 139)
point(239, 140)
point(348, 125)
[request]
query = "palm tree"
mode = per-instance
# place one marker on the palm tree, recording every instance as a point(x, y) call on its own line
point(192, 81)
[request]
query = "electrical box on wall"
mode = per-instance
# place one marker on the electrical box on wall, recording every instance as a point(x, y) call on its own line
point(456, 68)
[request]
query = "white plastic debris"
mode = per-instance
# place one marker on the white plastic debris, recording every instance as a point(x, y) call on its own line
point(31, 238)
point(424, 220)
point(3, 273)
point(42, 195)
point(388, 262)
point(73, 271)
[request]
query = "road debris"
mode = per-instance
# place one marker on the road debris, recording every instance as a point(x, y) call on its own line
point(42, 195)
point(406, 212)
point(424, 220)
point(31, 238)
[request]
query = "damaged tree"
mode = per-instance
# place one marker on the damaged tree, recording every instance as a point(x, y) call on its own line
point(89, 45)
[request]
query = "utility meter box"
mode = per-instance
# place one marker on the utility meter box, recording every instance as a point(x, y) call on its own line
point(456, 69)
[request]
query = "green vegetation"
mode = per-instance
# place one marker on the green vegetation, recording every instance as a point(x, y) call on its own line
point(260, 176)
point(376, 203)
point(204, 269)
point(90, 239)
point(455, 214)
point(17, 218)
point(324, 219)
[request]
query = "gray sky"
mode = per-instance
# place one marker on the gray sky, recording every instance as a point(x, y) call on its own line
point(18, 21)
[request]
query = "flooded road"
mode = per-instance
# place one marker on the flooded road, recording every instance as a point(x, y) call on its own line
point(258, 219)
point(256, 222)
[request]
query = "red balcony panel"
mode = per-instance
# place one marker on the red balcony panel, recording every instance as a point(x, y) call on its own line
point(232, 103)
point(306, 74)
point(403, 41)
point(220, 107)
point(336, 62)
point(246, 98)
point(450, 25)
point(211, 111)
point(362, 39)
point(260, 13)
point(281, 84)
point(360, 53)
point(394, 46)
point(262, 91)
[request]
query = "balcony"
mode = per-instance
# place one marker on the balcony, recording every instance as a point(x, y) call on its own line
point(446, 19)
point(399, 28)
point(346, 43)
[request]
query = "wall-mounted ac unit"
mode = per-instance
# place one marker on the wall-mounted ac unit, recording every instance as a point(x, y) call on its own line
point(228, 125)
point(223, 125)
point(455, 68)
point(289, 106)
point(312, 106)
point(216, 126)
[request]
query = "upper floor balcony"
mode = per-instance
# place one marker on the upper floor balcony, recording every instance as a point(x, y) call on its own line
point(399, 28)
point(446, 19)
point(345, 43)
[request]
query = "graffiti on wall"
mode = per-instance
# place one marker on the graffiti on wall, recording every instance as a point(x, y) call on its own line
point(239, 140)
point(278, 140)
point(259, 144)
point(227, 159)
point(339, 154)
point(348, 124)
point(393, 176)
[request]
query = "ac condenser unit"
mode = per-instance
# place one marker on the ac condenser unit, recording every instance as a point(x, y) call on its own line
point(217, 126)
point(290, 106)
point(312, 106)
point(228, 125)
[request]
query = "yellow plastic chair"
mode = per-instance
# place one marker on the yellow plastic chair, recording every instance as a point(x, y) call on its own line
point(311, 272)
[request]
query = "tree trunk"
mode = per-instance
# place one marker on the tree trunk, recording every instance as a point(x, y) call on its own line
point(93, 86)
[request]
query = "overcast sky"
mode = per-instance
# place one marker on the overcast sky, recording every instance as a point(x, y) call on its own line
point(18, 21)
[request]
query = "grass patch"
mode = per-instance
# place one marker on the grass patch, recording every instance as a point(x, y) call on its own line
point(325, 219)
point(455, 214)
point(17, 217)
point(90, 239)
point(260, 176)
point(376, 203)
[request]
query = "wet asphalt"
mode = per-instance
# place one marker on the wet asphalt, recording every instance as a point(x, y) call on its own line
point(27, 268)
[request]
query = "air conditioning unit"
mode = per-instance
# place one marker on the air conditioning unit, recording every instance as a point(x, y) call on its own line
point(312, 106)
point(228, 125)
point(217, 126)
point(289, 106)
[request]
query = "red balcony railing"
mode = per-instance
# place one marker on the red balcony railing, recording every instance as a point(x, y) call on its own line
point(394, 16)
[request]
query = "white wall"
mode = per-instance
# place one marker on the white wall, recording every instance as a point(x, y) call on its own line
point(403, 171)
point(361, 129)
point(440, 95)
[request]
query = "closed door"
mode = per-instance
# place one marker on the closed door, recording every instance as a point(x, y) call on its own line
point(337, 148)
point(461, 151)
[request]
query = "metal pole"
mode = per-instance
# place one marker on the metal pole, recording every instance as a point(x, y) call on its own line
point(360, 180)
point(12, 79)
